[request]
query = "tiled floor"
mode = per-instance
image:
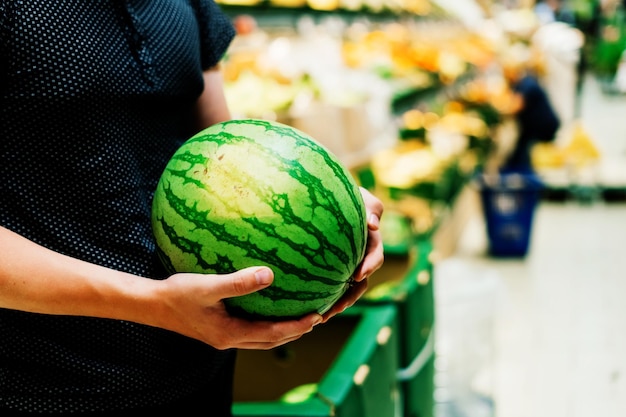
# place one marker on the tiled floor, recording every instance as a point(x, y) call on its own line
point(544, 336)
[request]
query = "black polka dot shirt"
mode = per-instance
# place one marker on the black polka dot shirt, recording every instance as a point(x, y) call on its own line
point(96, 95)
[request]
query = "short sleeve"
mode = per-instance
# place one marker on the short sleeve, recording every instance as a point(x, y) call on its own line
point(216, 32)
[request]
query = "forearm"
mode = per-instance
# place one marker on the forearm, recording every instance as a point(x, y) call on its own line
point(36, 279)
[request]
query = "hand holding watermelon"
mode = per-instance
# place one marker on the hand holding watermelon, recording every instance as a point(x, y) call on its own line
point(195, 307)
point(191, 304)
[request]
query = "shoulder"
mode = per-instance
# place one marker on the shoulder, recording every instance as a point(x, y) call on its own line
point(208, 10)
point(216, 31)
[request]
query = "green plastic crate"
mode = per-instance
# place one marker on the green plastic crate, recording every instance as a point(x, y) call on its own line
point(344, 368)
point(405, 281)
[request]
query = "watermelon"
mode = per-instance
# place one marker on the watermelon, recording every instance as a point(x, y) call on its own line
point(254, 192)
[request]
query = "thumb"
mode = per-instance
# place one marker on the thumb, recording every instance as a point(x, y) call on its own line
point(246, 281)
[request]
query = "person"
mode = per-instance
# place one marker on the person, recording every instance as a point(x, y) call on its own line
point(536, 118)
point(95, 97)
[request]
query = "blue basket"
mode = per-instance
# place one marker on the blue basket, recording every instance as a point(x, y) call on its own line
point(509, 202)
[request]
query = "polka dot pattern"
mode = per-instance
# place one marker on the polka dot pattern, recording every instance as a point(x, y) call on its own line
point(95, 98)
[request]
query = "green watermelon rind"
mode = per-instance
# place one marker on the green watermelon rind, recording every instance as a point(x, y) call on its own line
point(302, 215)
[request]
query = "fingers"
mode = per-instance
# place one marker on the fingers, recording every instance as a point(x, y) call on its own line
point(347, 300)
point(244, 281)
point(374, 208)
point(374, 255)
point(268, 334)
point(373, 221)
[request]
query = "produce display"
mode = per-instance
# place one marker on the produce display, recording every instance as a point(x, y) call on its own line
point(579, 152)
point(254, 192)
point(417, 7)
point(414, 103)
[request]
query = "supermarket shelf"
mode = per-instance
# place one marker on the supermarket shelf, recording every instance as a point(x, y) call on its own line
point(271, 15)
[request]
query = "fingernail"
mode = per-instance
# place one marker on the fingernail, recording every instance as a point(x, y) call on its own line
point(263, 276)
point(374, 221)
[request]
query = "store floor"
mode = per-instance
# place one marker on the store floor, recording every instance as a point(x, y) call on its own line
point(543, 336)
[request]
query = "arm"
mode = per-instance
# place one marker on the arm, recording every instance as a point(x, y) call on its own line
point(35, 279)
point(211, 107)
